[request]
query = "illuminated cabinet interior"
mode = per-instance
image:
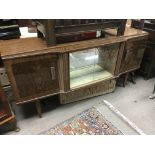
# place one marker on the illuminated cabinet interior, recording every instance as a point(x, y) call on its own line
point(92, 65)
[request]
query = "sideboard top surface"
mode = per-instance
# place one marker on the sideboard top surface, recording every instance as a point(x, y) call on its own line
point(129, 32)
point(35, 46)
point(22, 45)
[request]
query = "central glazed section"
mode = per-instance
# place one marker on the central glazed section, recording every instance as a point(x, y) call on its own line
point(92, 65)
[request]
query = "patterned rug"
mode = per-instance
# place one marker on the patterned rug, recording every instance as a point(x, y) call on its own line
point(88, 122)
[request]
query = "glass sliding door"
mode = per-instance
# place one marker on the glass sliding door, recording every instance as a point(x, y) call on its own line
point(91, 65)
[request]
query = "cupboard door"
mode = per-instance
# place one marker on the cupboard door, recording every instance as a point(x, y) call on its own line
point(34, 76)
point(133, 54)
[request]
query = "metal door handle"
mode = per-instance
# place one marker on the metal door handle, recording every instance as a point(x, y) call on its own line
point(53, 73)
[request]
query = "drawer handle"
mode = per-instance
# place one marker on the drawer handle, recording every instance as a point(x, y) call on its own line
point(53, 73)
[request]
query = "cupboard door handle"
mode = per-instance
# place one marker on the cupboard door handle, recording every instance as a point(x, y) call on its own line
point(53, 73)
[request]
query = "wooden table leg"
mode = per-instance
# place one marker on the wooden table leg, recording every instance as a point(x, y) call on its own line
point(132, 74)
point(125, 79)
point(38, 107)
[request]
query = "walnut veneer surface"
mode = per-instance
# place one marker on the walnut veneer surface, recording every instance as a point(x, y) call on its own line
point(129, 32)
point(31, 46)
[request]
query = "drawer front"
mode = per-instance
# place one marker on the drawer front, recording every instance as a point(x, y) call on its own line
point(33, 77)
point(88, 91)
point(133, 54)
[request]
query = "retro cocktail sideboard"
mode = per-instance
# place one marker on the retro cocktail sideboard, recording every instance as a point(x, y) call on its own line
point(74, 71)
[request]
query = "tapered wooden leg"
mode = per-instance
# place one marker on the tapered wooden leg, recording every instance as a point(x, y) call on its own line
point(154, 89)
point(153, 96)
point(14, 126)
point(125, 79)
point(133, 77)
point(38, 107)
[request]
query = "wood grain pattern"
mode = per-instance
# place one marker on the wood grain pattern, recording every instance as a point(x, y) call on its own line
point(15, 46)
point(119, 59)
point(50, 33)
point(108, 57)
point(88, 91)
point(35, 46)
point(133, 54)
point(19, 47)
point(129, 32)
point(66, 72)
point(31, 77)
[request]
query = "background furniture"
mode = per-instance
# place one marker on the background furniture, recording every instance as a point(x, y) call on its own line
point(3, 77)
point(6, 113)
point(68, 30)
point(9, 29)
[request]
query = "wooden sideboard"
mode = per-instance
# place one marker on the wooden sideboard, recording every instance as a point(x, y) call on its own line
point(75, 71)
